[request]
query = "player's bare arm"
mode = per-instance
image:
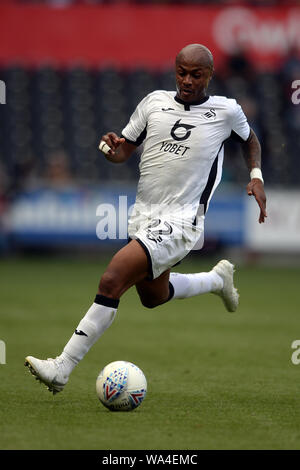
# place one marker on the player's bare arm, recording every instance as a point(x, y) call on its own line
point(120, 150)
point(252, 153)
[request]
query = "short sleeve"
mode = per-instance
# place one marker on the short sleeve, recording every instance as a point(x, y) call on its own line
point(240, 124)
point(136, 129)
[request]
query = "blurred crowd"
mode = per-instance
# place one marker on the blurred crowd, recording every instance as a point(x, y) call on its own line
point(53, 120)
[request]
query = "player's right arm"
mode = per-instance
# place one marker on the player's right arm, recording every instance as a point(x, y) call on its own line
point(120, 149)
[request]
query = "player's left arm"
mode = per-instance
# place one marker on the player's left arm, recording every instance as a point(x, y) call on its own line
point(252, 153)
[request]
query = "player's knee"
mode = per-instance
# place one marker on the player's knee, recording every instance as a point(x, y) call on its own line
point(151, 302)
point(110, 285)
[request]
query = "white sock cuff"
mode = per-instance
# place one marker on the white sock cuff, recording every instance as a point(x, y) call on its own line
point(97, 318)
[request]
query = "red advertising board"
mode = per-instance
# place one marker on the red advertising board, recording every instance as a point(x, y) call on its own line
point(144, 35)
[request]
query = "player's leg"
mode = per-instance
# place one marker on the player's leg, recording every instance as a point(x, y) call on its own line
point(217, 281)
point(171, 285)
point(127, 267)
point(167, 251)
point(155, 292)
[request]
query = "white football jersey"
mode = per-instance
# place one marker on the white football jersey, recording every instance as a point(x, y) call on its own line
point(182, 158)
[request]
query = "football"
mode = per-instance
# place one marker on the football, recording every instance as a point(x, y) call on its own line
point(121, 386)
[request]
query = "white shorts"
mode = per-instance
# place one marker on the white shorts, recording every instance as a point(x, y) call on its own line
point(166, 242)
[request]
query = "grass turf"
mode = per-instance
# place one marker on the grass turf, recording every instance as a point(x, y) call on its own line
point(215, 380)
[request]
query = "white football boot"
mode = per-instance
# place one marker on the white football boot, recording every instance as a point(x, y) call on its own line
point(228, 293)
point(51, 372)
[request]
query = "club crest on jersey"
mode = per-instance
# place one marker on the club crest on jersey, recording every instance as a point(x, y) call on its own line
point(181, 131)
point(211, 114)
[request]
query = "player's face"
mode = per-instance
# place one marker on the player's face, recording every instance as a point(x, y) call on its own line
point(191, 81)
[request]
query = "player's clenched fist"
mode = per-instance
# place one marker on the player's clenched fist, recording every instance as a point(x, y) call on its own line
point(110, 142)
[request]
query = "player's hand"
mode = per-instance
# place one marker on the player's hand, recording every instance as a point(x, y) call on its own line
point(113, 141)
point(256, 188)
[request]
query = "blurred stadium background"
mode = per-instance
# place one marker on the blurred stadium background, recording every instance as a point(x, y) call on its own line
point(74, 70)
point(69, 72)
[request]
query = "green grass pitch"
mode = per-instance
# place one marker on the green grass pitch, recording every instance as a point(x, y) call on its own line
point(215, 380)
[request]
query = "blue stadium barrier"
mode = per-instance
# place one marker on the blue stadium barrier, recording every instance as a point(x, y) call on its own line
point(79, 216)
